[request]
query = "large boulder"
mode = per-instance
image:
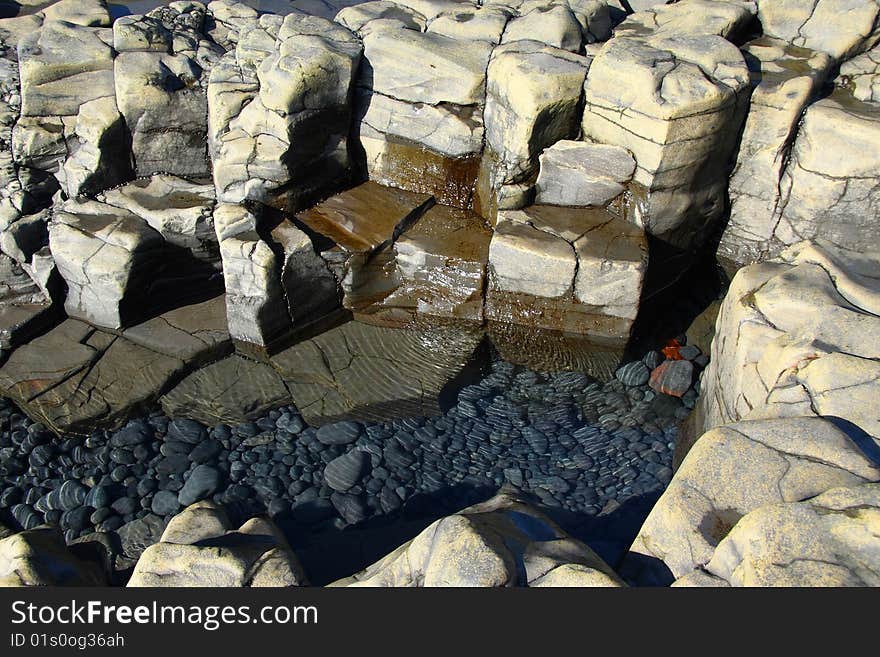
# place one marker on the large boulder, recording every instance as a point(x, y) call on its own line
point(841, 28)
point(501, 542)
point(255, 307)
point(576, 173)
point(419, 117)
point(675, 99)
point(581, 268)
point(39, 557)
point(785, 79)
point(797, 335)
point(829, 540)
point(733, 470)
point(830, 188)
point(119, 269)
point(200, 547)
point(62, 66)
point(279, 109)
point(533, 100)
point(160, 74)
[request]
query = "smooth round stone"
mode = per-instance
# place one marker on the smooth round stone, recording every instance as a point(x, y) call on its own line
point(111, 524)
point(77, 519)
point(389, 500)
point(206, 451)
point(165, 503)
point(290, 423)
point(146, 486)
point(71, 495)
point(396, 457)
point(351, 508)
point(345, 471)
point(133, 433)
point(174, 464)
point(25, 516)
point(119, 473)
point(187, 431)
point(122, 456)
point(339, 433)
point(172, 447)
point(40, 455)
point(10, 496)
point(125, 505)
point(203, 482)
point(99, 496)
point(100, 515)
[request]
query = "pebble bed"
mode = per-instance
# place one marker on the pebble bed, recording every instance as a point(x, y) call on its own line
point(575, 444)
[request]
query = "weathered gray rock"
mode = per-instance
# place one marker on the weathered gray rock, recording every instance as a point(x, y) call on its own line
point(255, 307)
point(426, 67)
point(179, 210)
point(379, 14)
point(830, 188)
point(532, 100)
point(733, 470)
point(501, 542)
point(419, 112)
point(861, 76)
point(117, 268)
point(582, 267)
point(486, 23)
point(552, 24)
point(580, 174)
point(278, 114)
point(676, 103)
point(725, 18)
point(785, 80)
point(160, 75)
point(310, 287)
point(797, 336)
point(99, 157)
point(841, 28)
point(39, 557)
point(62, 66)
point(200, 548)
point(829, 540)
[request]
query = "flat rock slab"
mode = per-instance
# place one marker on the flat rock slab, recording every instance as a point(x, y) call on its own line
point(76, 377)
point(363, 372)
point(363, 218)
point(229, 391)
point(21, 322)
point(194, 334)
